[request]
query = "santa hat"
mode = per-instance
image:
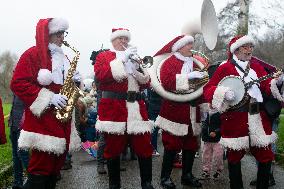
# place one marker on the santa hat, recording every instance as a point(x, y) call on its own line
point(175, 44)
point(44, 28)
point(237, 42)
point(120, 32)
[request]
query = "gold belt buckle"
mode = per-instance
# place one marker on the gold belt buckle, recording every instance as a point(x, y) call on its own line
point(253, 108)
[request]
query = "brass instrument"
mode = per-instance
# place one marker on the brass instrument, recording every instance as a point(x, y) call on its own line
point(69, 89)
point(146, 62)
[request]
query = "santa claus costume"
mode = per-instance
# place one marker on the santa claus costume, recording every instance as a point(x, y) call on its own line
point(242, 129)
point(180, 121)
point(122, 114)
point(2, 125)
point(38, 76)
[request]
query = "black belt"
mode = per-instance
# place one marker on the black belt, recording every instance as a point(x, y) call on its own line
point(130, 96)
point(252, 108)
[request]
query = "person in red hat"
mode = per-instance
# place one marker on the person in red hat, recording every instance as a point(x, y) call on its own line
point(3, 139)
point(180, 121)
point(122, 110)
point(37, 79)
point(247, 126)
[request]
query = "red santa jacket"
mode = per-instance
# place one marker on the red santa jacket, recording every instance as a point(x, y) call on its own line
point(237, 128)
point(2, 125)
point(178, 118)
point(41, 130)
point(119, 116)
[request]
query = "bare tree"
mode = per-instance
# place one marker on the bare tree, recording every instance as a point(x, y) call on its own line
point(7, 63)
point(243, 17)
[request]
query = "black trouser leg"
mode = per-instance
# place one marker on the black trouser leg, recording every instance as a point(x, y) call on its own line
point(36, 182)
point(235, 175)
point(145, 165)
point(113, 166)
point(187, 177)
point(263, 175)
point(167, 166)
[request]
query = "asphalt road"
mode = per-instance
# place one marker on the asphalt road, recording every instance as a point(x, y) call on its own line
point(83, 175)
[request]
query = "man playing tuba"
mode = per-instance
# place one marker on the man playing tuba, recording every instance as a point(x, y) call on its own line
point(179, 120)
point(37, 79)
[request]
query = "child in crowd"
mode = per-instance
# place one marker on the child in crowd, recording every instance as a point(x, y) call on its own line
point(212, 149)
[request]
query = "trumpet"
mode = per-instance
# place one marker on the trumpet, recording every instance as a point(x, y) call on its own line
point(146, 62)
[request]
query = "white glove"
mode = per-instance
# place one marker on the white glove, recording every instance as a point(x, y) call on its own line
point(230, 95)
point(129, 67)
point(77, 77)
point(280, 80)
point(59, 100)
point(195, 75)
point(129, 52)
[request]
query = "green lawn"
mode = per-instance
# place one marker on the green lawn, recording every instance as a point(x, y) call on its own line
point(280, 142)
point(6, 149)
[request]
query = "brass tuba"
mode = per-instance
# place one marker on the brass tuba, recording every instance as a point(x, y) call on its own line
point(69, 89)
point(206, 24)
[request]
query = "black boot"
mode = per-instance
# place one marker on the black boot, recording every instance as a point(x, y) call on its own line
point(235, 175)
point(113, 166)
point(51, 183)
point(187, 177)
point(145, 165)
point(167, 166)
point(271, 180)
point(36, 182)
point(263, 175)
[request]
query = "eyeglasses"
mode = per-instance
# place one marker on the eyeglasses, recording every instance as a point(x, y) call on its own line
point(247, 47)
point(60, 33)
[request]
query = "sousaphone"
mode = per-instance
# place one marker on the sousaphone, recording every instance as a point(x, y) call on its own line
point(206, 24)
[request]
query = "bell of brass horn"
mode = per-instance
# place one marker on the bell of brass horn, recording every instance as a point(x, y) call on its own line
point(204, 22)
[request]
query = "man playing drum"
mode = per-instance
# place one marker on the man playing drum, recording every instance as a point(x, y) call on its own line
point(246, 125)
point(180, 121)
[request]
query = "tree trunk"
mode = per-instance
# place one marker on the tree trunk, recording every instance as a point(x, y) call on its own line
point(243, 17)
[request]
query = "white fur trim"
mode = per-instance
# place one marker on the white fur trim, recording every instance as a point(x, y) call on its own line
point(41, 102)
point(45, 143)
point(241, 41)
point(132, 84)
point(196, 127)
point(120, 33)
point(182, 42)
point(117, 70)
point(57, 24)
point(177, 129)
point(218, 101)
point(275, 91)
point(139, 127)
point(75, 141)
point(111, 127)
point(257, 133)
point(182, 83)
point(44, 77)
point(239, 143)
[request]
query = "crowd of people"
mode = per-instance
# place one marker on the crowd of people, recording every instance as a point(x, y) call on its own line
point(121, 110)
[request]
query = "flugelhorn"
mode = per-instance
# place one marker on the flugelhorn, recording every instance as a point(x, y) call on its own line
point(146, 62)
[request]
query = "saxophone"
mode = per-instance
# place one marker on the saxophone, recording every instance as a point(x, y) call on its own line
point(69, 89)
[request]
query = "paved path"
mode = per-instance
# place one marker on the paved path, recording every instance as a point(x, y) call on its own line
point(83, 175)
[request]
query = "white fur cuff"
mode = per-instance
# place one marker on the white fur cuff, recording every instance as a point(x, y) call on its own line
point(111, 127)
point(117, 70)
point(274, 90)
point(218, 101)
point(41, 102)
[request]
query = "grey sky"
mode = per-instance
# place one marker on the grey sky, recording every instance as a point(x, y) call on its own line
point(152, 23)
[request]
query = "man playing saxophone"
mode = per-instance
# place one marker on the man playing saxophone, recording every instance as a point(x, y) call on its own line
point(180, 121)
point(122, 110)
point(37, 79)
